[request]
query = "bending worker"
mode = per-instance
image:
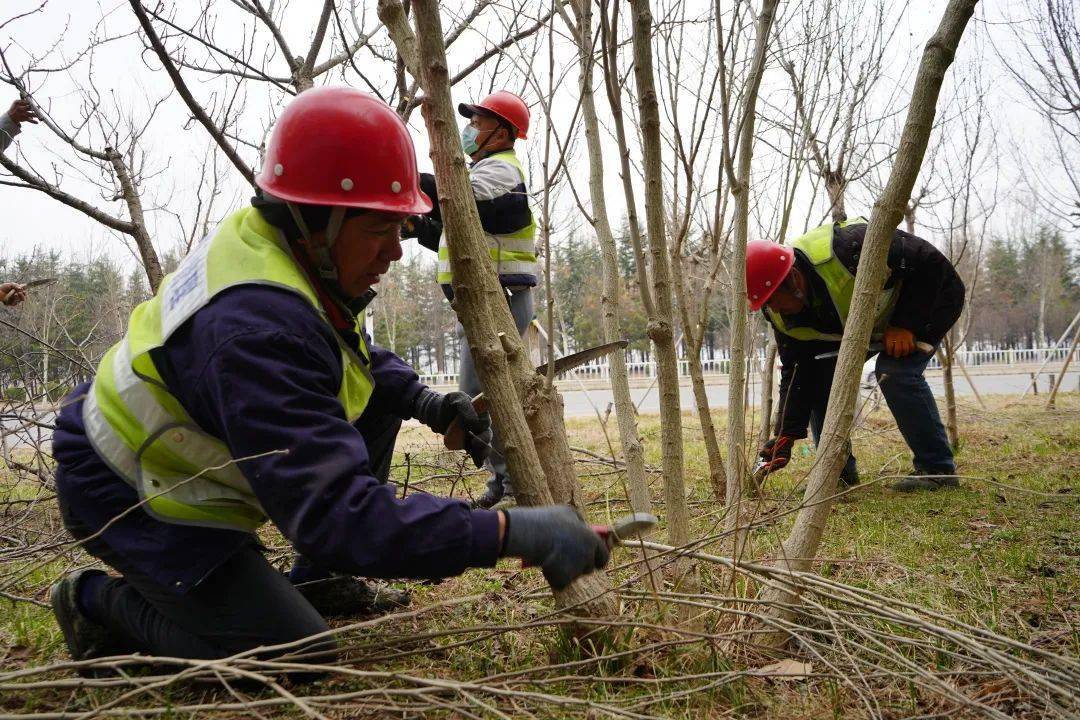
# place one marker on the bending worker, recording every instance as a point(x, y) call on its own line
point(805, 290)
point(245, 390)
point(498, 182)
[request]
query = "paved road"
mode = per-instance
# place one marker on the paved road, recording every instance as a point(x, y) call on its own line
point(584, 402)
point(581, 403)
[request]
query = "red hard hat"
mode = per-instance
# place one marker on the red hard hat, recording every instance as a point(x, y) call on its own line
point(767, 264)
point(505, 105)
point(340, 146)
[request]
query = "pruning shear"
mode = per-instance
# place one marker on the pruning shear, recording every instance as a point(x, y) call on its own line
point(27, 286)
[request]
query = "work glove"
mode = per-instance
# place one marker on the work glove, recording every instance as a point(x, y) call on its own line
point(898, 342)
point(557, 540)
point(437, 411)
point(776, 453)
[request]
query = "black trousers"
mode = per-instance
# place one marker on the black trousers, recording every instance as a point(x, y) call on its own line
point(244, 603)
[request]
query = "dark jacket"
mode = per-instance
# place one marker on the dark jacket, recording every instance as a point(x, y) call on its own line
point(503, 208)
point(930, 301)
point(260, 370)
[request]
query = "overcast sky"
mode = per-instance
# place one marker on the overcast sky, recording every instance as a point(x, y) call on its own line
point(129, 83)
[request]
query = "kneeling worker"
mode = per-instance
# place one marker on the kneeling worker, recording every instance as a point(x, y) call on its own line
point(806, 289)
point(245, 390)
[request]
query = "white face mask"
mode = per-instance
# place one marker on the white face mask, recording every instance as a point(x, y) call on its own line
point(468, 139)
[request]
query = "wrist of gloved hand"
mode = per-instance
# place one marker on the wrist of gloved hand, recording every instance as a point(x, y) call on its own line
point(557, 540)
point(427, 408)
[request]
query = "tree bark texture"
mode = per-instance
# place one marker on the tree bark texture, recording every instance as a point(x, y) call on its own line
point(694, 338)
point(738, 479)
point(133, 200)
point(625, 412)
point(768, 390)
point(798, 550)
point(1064, 372)
point(947, 357)
point(526, 409)
point(612, 82)
point(661, 323)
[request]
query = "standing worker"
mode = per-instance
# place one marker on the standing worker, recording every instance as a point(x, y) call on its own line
point(502, 200)
point(246, 391)
point(805, 290)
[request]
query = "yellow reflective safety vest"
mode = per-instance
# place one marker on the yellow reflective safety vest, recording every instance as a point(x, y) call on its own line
point(183, 474)
point(817, 245)
point(514, 253)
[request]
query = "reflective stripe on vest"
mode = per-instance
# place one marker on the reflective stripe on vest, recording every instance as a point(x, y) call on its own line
point(817, 245)
point(138, 427)
point(513, 253)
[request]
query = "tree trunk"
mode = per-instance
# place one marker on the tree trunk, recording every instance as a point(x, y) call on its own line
point(147, 254)
point(1064, 372)
point(661, 326)
point(768, 376)
point(835, 185)
point(625, 413)
point(798, 550)
point(739, 480)
point(537, 452)
point(947, 357)
point(717, 476)
point(1040, 322)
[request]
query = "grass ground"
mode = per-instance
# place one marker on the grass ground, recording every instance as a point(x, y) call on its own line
point(1002, 552)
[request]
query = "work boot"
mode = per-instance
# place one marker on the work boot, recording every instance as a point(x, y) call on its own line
point(85, 638)
point(346, 596)
point(925, 480)
point(493, 493)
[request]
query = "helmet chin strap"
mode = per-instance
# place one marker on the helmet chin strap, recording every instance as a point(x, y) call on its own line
point(324, 262)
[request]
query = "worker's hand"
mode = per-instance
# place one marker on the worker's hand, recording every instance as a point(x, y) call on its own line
point(776, 453)
point(898, 342)
point(557, 540)
point(437, 411)
point(12, 293)
point(478, 445)
point(22, 111)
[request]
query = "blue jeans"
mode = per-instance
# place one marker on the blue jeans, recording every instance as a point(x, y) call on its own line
point(912, 404)
point(521, 307)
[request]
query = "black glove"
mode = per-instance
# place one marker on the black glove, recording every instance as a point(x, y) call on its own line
point(437, 411)
point(555, 539)
point(776, 453)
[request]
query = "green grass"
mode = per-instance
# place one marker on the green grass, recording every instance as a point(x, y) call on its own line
point(1002, 551)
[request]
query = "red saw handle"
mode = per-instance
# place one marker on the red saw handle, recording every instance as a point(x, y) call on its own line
point(604, 531)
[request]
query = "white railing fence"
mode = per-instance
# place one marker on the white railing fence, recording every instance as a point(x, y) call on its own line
point(721, 365)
